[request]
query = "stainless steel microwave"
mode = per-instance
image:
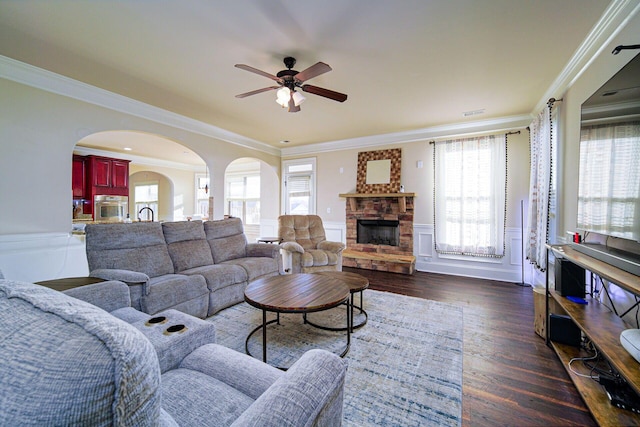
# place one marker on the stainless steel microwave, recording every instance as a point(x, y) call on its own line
point(110, 208)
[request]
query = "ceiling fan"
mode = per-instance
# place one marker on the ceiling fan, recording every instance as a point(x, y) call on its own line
point(288, 80)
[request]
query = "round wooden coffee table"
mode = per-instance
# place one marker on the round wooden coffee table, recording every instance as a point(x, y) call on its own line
point(356, 283)
point(295, 293)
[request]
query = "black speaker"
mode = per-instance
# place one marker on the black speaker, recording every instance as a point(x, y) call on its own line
point(563, 330)
point(569, 278)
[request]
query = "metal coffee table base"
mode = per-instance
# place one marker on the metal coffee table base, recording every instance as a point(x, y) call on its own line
point(265, 323)
point(350, 309)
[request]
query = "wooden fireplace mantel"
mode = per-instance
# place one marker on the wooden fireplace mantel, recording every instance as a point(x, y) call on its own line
point(402, 198)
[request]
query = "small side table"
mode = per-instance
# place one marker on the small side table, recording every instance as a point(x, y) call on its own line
point(269, 240)
point(69, 282)
point(356, 283)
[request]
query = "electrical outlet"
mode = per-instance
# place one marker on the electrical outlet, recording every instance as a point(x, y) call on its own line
point(328, 210)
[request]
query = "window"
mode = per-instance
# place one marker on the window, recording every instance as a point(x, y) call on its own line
point(299, 187)
point(202, 195)
point(243, 198)
point(609, 182)
point(146, 196)
point(469, 196)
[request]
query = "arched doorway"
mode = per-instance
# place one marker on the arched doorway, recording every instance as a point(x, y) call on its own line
point(165, 169)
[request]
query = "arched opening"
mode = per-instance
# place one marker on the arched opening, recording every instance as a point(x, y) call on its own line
point(161, 174)
point(151, 198)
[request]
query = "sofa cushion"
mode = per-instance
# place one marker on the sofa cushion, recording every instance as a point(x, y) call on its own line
point(187, 244)
point(226, 239)
point(170, 290)
point(139, 246)
point(197, 399)
point(255, 266)
point(317, 257)
point(66, 362)
point(219, 276)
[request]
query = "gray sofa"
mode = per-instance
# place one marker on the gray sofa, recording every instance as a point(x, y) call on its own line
point(194, 267)
point(68, 362)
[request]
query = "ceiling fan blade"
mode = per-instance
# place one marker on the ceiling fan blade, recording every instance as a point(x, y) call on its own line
point(255, 92)
point(260, 72)
point(336, 96)
point(313, 71)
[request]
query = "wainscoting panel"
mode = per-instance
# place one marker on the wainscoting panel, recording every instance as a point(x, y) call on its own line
point(335, 231)
point(42, 256)
point(507, 268)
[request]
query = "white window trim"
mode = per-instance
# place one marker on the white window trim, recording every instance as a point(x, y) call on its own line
point(285, 167)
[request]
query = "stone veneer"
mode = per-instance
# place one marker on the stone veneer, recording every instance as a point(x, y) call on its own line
point(385, 208)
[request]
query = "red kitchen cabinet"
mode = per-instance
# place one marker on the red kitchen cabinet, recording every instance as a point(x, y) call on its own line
point(78, 177)
point(100, 168)
point(120, 175)
point(104, 176)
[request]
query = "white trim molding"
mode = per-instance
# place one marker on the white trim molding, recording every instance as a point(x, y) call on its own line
point(39, 78)
point(506, 269)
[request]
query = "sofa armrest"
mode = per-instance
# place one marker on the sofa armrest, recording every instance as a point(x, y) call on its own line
point(310, 393)
point(109, 296)
point(262, 250)
point(292, 247)
point(127, 276)
point(238, 370)
point(334, 247)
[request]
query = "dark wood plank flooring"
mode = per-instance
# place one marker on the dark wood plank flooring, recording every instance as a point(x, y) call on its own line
point(511, 378)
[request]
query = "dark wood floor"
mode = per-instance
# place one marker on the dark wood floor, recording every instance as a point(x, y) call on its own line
point(511, 378)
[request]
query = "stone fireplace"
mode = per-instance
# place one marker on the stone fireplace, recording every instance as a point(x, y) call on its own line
point(380, 232)
point(379, 216)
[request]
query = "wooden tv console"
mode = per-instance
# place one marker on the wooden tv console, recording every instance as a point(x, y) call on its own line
point(603, 328)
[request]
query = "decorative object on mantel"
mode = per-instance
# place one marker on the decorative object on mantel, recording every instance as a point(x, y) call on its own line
point(379, 171)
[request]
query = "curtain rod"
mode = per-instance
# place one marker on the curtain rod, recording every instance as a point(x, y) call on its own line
point(551, 101)
point(517, 132)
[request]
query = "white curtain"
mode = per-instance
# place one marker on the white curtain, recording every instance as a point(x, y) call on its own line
point(469, 196)
point(609, 190)
point(539, 181)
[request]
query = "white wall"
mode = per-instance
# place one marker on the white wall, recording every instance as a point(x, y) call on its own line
point(331, 182)
point(38, 132)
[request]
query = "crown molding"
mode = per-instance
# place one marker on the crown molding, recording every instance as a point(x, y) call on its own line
point(39, 78)
point(140, 160)
point(501, 124)
point(613, 20)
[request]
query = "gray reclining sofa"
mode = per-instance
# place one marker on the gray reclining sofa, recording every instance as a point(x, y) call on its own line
point(68, 362)
point(194, 267)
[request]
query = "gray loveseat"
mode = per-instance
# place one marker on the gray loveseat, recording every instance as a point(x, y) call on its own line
point(68, 362)
point(195, 267)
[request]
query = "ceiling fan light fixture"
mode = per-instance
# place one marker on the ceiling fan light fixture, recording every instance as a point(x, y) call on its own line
point(283, 95)
point(298, 98)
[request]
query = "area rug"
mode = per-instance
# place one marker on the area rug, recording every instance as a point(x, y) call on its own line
point(405, 364)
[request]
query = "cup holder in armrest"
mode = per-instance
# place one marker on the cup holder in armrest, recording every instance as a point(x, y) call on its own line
point(175, 329)
point(156, 321)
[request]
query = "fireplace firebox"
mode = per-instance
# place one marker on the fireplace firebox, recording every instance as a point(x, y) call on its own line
point(378, 232)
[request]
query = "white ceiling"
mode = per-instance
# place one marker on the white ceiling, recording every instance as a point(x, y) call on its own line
point(406, 65)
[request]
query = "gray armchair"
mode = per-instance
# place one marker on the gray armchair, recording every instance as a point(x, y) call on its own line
point(68, 362)
point(305, 248)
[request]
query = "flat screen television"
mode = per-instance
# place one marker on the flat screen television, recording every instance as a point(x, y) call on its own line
point(609, 174)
